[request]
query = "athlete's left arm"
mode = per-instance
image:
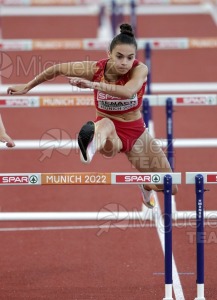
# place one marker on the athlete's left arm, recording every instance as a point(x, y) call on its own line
point(138, 77)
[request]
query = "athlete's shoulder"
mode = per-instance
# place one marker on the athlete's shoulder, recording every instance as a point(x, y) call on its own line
point(99, 68)
point(140, 67)
point(101, 63)
point(138, 63)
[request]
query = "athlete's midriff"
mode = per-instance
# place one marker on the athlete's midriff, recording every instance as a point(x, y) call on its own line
point(124, 117)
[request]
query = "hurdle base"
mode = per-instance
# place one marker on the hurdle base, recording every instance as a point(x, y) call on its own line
point(200, 292)
point(168, 292)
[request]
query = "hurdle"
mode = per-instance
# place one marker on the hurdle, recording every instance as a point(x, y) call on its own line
point(169, 101)
point(199, 179)
point(37, 179)
point(178, 100)
point(83, 100)
point(97, 44)
point(157, 88)
point(198, 100)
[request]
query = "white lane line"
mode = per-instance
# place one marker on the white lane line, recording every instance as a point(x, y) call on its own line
point(180, 273)
point(99, 226)
point(76, 227)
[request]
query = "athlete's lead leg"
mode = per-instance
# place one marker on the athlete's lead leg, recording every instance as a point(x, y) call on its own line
point(100, 136)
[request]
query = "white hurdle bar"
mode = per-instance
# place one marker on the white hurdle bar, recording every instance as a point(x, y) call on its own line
point(82, 97)
point(83, 2)
point(157, 43)
point(93, 178)
point(209, 178)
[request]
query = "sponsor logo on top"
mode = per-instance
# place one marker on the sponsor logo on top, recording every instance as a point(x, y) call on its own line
point(197, 100)
point(19, 102)
point(138, 178)
point(212, 178)
point(203, 42)
point(67, 101)
point(18, 179)
point(93, 44)
point(169, 44)
point(156, 178)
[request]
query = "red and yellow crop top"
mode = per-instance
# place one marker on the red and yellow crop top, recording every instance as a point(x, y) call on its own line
point(111, 104)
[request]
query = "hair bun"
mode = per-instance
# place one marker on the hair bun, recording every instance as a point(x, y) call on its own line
point(126, 29)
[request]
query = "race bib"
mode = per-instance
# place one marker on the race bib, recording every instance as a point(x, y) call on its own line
point(111, 103)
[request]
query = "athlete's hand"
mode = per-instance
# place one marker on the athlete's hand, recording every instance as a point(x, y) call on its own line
point(4, 138)
point(18, 89)
point(81, 83)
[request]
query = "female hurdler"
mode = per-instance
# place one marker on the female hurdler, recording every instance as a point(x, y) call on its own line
point(119, 85)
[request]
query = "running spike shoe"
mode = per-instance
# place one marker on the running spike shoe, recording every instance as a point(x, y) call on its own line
point(85, 141)
point(147, 197)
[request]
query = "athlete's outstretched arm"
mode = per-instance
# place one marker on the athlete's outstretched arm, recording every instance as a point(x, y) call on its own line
point(138, 77)
point(83, 69)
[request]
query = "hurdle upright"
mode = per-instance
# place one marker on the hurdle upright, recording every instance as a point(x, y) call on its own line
point(199, 179)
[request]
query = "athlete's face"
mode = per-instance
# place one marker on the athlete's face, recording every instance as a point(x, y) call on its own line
point(122, 56)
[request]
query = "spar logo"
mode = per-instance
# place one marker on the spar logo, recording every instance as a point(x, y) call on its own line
point(169, 44)
point(138, 178)
point(96, 45)
point(212, 178)
point(156, 178)
point(200, 100)
point(18, 179)
point(19, 102)
point(33, 179)
point(133, 178)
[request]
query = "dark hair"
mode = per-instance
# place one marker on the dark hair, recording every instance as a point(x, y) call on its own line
point(125, 37)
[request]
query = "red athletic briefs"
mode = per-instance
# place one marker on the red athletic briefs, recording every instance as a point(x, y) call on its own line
point(128, 132)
